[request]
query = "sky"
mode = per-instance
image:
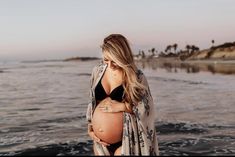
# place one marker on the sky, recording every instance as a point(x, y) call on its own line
point(59, 29)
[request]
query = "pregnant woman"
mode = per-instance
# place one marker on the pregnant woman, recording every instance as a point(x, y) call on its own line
point(120, 114)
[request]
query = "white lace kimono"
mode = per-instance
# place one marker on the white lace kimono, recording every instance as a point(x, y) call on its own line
point(139, 134)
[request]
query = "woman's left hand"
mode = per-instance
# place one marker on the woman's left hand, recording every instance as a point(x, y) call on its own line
point(109, 105)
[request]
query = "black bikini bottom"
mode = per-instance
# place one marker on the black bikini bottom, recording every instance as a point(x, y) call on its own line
point(112, 147)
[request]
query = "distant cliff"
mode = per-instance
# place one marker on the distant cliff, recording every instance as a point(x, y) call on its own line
point(225, 51)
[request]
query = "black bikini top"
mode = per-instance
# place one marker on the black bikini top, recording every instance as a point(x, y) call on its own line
point(116, 93)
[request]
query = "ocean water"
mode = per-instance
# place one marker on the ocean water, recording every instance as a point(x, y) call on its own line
point(43, 105)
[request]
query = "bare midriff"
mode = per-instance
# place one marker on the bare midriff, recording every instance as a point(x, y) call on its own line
point(108, 126)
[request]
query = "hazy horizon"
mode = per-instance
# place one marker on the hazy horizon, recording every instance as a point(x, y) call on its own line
point(59, 29)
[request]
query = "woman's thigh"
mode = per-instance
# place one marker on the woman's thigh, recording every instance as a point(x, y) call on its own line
point(118, 151)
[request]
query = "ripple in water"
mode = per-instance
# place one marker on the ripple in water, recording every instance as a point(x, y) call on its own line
point(184, 146)
point(52, 111)
point(208, 145)
point(63, 149)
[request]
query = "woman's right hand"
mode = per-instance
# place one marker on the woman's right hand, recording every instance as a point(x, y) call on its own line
point(95, 138)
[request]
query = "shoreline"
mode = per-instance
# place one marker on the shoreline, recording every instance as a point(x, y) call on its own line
point(81, 59)
point(177, 60)
point(211, 61)
point(190, 66)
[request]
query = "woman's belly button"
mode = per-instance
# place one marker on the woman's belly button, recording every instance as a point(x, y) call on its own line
point(108, 126)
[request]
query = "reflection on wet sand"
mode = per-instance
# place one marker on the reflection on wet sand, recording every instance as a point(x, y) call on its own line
point(172, 65)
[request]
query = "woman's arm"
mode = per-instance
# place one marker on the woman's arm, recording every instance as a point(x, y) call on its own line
point(109, 105)
point(123, 106)
point(126, 108)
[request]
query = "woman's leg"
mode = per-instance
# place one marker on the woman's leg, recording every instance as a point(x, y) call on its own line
point(118, 151)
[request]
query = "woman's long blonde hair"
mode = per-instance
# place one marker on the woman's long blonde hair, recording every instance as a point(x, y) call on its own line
point(118, 49)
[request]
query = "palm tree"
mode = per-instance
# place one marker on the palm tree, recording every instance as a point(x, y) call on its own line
point(143, 54)
point(188, 47)
point(153, 51)
point(197, 48)
point(139, 55)
point(212, 41)
point(175, 47)
point(193, 48)
point(168, 48)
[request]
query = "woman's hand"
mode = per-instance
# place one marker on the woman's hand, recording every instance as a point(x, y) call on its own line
point(109, 105)
point(94, 137)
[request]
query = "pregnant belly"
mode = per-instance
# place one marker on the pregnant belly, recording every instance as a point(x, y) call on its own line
point(108, 126)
